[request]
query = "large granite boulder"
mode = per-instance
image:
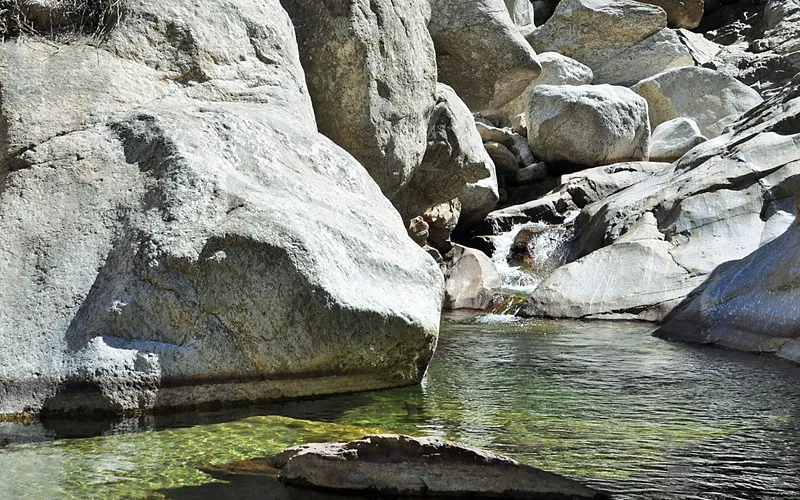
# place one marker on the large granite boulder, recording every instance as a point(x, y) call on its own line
point(595, 31)
point(480, 52)
point(643, 250)
point(587, 125)
point(681, 13)
point(713, 100)
point(471, 280)
point(371, 72)
point(175, 232)
point(455, 157)
point(392, 465)
point(521, 12)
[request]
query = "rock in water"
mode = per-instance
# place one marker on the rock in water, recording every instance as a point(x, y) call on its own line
point(713, 100)
point(371, 72)
point(174, 231)
point(480, 52)
point(394, 465)
point(587, 125)
point(674, 138)
point(643, 250)
point(471, 280)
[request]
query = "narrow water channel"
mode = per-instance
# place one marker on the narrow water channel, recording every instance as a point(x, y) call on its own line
point(605, 403)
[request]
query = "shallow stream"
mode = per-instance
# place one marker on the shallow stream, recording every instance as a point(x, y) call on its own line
point(605, 403)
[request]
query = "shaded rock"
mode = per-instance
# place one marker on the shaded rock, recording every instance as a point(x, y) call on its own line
point(660, 239)
point(371, 72)
point(587, 125)
point(455, 156)
point(532, 173)
point(419, 231)
point(556, 70)
point(681, 13)
point(505, 162)
point(713, 100)
point(480, 52)
point(674, 138)
point(442, 220)
point(750, 304)
point(659, 52)
point(167, 244)
point(491, 133)
point(594, 32)
point(400, 465)
point(471, 280)
point(550, 209)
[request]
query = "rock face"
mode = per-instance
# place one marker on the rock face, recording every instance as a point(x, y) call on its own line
point(674, 138)
point(681, 13)
point(175, 231)
point(712, 99)
point(480, 52)
point(471, 280)
point(391, 465)
point(587, 125)
point(521, 12)
point(371, 73)
point(643, 250)
point(454, 157)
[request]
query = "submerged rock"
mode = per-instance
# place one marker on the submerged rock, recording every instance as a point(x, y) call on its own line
point(392, 465)
point(175, 232)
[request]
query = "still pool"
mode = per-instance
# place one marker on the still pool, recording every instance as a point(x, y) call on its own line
point(605, 403)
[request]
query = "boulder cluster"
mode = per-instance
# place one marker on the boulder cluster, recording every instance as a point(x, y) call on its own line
point(217, 201)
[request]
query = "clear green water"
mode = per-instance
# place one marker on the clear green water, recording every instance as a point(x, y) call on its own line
point(605, 403)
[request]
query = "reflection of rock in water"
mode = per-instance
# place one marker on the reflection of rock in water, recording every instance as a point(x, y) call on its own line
point(528, 253)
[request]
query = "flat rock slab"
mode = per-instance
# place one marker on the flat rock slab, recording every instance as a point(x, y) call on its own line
point(406, 466)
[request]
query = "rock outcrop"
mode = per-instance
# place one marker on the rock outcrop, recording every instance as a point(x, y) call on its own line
point(643, 250)
point(712, 99)
point(371, 73)
point(175, 232)
point(587, 125)
point(454, 158)
point(480, 52)
point(392, 465)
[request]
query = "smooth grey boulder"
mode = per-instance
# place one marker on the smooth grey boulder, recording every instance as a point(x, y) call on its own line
point(702, 49)
point(480, 52)
point(674, 138)
point(681, 13)
point(594, 32)
point(471, 280)
point(556, 70)
point(587, 125)
point(455, 157)
point(478, 200)
point(175, 232)
point(371, 72)
point(659, 52)
point(712, 99)
point(596, 184)
point(641, 251)
point(393, 465)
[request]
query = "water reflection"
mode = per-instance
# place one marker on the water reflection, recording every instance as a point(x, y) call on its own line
point(603, 402)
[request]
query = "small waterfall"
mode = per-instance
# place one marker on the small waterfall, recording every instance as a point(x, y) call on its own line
point(529, 253)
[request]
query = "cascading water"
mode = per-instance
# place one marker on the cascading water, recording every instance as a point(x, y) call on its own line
point(529, 253)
